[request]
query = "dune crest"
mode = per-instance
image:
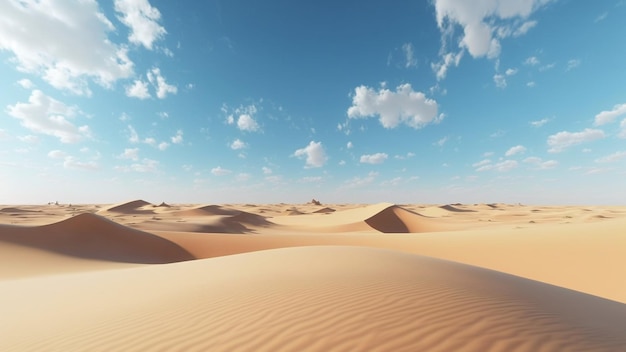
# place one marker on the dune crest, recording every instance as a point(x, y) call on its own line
point(89, 235)
point(131, 207)
point(307, 298)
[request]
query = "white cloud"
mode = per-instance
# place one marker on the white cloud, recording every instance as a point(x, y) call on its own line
point(539, 123)
point(66, 43)
point(503, 166)
point(311, 179)
point(622, 125)
point(142, 20)
point(609, 116)
point(57, 154)
point(402, 106)
point(518, 149)
point(266, 170)
point(447, 60)
point(150, 141)
point(530, 84)
point(237, 144)
point(612, 157)
point(158, 81)
point(499, 80)
point(511, 71)
point(524, 28)
point(139, 90)
point(163, 145)
point(178, 137)
point(220, 171)
point(314, 153)
point(543, 165)
point(130, 153)
point(26, 83)
point(484, 22)
point(411, 61)
point(531, 61)
point(560, 141)
point(246, 122)
point(45, 115)
point(377, 158)
point(572, 64)
point(349, 145)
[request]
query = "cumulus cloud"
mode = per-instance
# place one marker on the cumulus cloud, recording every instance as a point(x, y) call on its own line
point(57, 154)
point(139, 90)
point(45, 115)
point(163, 145)
point(220, 171)
point(349, 145)
point(130, 153)
point(237, 144)
point(499, 80)
point(377, 158)
point(66, 43)
point(612, 157)
point(314, 154)
point(518, 149)
point(484, 24)
point(560, 141)
point(393, 108)
point(26, 83)
point(246, 122)
point(142, 20)
point(161, 86)
point(266, 170)
point(609, 116)
point(622, 125)
point(178, 137)
point(71, 162)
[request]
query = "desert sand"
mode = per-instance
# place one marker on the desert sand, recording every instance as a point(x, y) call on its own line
point(138, 276)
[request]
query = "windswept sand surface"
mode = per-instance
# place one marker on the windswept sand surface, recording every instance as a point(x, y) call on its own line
point(281, 277)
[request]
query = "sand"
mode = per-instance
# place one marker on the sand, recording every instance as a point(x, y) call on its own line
point(137, 276)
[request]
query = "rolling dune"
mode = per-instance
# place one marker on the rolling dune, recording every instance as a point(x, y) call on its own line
point(307, 298)
point(361, 278)
point(94, 237)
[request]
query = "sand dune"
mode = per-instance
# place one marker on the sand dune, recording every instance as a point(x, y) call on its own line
point(383, 217)
point(353, 279)
point(314, 299)
point(132, 207)
point(95, 237)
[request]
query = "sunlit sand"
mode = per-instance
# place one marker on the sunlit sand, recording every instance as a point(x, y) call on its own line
point(137, 276)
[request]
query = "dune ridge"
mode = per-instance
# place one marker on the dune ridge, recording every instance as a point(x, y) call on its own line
point(325, 299)
point(92, 236)
point(131, 207)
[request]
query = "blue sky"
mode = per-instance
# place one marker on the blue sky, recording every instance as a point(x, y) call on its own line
point(282, 101)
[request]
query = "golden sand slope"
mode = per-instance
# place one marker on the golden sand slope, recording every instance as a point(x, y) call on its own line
point(95, 237)
point(306, 298)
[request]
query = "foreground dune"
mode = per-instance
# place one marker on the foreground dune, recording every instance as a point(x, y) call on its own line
point(141, 277)
point(305, 298)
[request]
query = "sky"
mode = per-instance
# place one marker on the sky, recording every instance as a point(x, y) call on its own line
point(244, 101)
